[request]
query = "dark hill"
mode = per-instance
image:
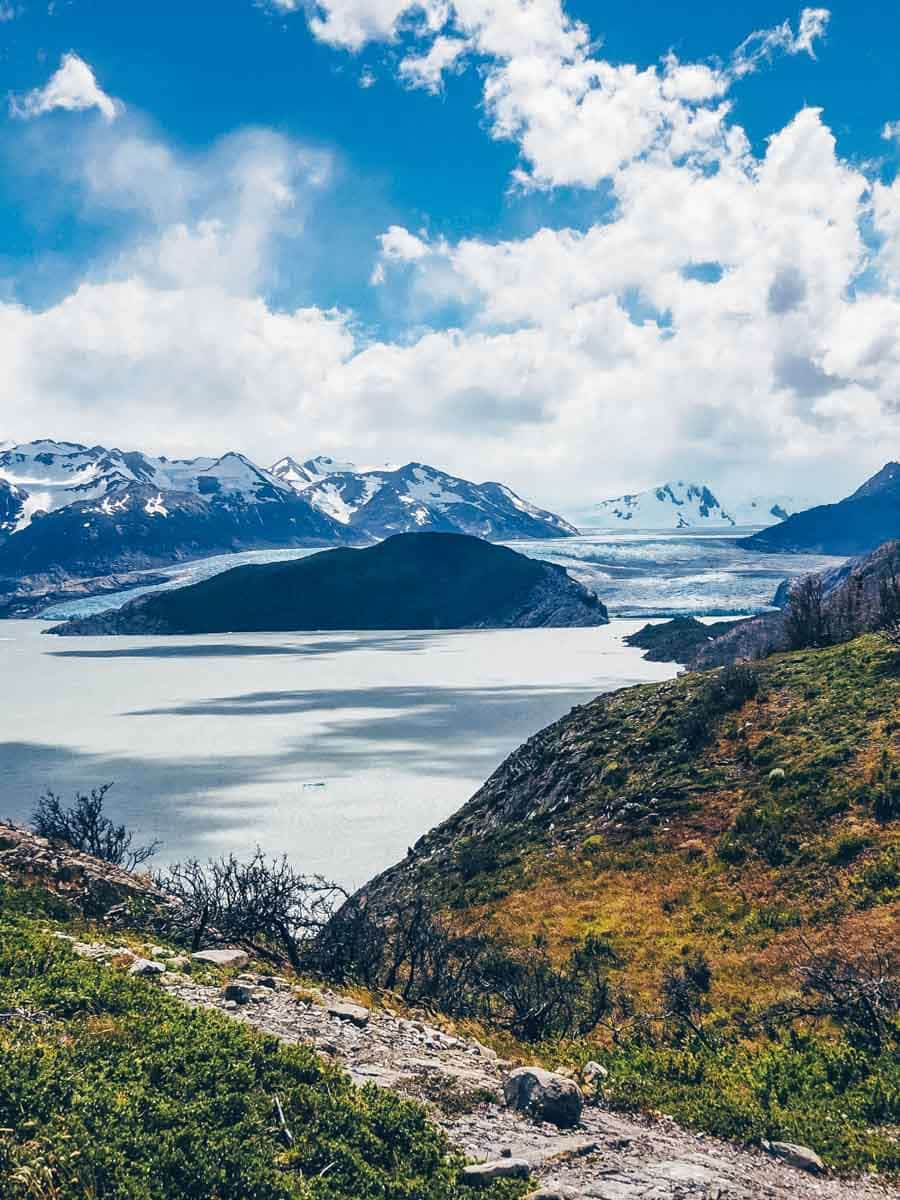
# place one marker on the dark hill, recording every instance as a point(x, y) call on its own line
point(680, 639)
point(852, 526)
point(411, 581)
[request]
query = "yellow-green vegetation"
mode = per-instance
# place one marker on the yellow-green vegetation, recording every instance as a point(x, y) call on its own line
point(728, 838)
point(111, 1089)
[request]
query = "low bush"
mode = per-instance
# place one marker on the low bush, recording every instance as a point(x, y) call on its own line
point(84, 826)
point(109, 1089)
point(264, 904)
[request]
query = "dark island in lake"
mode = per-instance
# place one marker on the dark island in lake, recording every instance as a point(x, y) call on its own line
point(411, 581)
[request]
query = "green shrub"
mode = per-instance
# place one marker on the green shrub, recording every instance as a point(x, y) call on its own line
point(798, 1088)
point(112, 1090)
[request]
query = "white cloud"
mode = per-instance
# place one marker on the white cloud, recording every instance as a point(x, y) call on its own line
point(891, 131)
point(764, 43)
point(587, 362)
point(427, 70)
point(577, 117)
point(352, 23)
point(73, 87)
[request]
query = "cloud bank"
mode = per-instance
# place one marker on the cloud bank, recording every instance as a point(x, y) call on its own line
point(736, 314)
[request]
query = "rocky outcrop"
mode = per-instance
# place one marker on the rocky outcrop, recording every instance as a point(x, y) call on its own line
point(93, 887)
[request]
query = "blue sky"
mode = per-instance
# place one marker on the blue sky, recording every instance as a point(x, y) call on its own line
point(191, 79)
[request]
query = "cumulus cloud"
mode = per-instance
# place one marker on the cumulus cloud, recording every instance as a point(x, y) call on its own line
point(72, 87)
point(577, 117)
point(427, 70)
point(728, 317)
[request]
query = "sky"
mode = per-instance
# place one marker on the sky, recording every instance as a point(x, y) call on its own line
point(581, 249)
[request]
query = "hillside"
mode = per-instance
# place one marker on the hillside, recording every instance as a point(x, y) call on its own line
point(139, 1054)
point(654, 809)
point(748, 816)
point(856, 525)
point(411, 581)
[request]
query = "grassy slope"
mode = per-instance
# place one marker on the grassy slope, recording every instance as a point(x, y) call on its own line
point(633, 819)
point(109, 1088)
point(662, 844)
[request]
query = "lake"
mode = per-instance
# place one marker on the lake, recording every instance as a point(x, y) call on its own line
point(339, 750)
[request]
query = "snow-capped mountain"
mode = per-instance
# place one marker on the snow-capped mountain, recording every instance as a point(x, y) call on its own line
point(55, 474)
point(684, 505)
point(12, 507)
point(418, 497)
point(68, 509)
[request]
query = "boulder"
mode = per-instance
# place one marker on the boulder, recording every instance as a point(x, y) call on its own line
point(179, 962)
point(144, 966)
point(227, 957)
point(240, 993)
point(594, 1075)
point(553, 1193)
point(544, 1095)
point(800, 1157)
point(484, 1174)
point(354, 1013)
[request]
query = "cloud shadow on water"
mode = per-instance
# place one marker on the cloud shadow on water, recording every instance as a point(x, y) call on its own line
point(164, 649)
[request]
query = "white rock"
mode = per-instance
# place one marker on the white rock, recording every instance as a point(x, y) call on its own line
point(228, 957)
point(800, 1157)
point(144, 966)
point(483, 1174)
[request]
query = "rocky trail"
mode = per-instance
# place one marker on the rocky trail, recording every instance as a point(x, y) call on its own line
point(605, 1156)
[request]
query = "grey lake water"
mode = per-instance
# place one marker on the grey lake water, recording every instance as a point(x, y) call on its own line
point(337, 749)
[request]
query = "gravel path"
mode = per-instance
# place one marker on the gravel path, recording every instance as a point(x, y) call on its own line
point(609, 1157)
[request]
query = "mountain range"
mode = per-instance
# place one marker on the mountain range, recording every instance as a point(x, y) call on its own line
point(416, 497)
point(74, 511)
point(684, 505)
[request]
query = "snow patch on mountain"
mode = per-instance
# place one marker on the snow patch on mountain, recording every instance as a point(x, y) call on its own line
point(686, 505)
point(416, 496)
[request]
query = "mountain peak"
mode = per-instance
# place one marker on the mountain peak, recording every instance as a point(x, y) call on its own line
point(885, 480)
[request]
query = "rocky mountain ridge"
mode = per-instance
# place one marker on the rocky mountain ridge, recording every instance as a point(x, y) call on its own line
point(852, 526)
point(417, 497)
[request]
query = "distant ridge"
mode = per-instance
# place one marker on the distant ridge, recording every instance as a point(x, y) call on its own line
point(856, 525)
point(410, 581)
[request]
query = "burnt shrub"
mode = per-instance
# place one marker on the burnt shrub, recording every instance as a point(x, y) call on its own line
point(84, 826)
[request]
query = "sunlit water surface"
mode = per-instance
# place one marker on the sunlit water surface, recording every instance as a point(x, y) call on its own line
point(337, 749)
